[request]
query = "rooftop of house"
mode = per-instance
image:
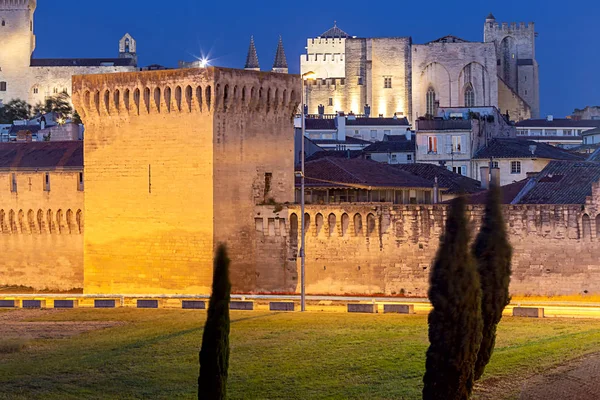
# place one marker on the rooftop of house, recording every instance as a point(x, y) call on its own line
point(83, 62)
point(320, 124)
point(455, 183)
point(595, 131)
point(519, 148)
point(370, 121)
point(358, 173)
point(595, 156)
point(349, 141)
point(509, 192)
point(334, 154)
point(334, 32)
point(562, 182)
point(31, 128)
point(46, 155)
point(558, 123)
point(392, 146)
point(576, 139)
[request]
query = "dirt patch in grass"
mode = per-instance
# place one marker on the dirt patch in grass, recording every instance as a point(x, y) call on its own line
point(20, 324)
point(8, 346)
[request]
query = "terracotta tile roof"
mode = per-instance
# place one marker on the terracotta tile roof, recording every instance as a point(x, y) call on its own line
point(563, 182)
point(455, 183)
point(359, 173)
point(519, 148)
point(509, 192)
point(47, 155)
point(396, 146)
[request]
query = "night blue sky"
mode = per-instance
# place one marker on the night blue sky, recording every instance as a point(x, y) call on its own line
point(167, 31)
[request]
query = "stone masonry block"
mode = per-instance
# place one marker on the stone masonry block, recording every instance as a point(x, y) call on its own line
point(34, 303)
point(8, 303)
point(398, 309)
point(193, 305)
point(529, 312)
point(241, 305)
point(362, 308)
point(281, 306)
point(66, 303)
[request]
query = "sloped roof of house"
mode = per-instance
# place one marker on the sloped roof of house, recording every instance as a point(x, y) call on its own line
point(334, 154)
point(563, 182)
point(455, 183)
point(519, 148)
point(509, 192)
point(558, 123)
point(349, 140)
point(47, 155)
point(319, 124)
point(364, 121)
point(395, 146)
point(334, 32)
point(358, 173)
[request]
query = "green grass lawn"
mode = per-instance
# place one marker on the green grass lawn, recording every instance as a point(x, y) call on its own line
point(274, 356)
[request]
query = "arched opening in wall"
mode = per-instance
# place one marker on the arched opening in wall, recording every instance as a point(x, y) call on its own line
point(21, 219)
point(235, 94)
point(178, 97)
point(79, 220)
point(260, 97)
point(319, 223)
point(358, 229)
point(136, 100)
point(225, 97)
point(157, 99)
point(59, 221)
point(97, 101)
point(430, 101)
point(86, 100)
point(587, 226)
point(276, 99)
point(371, 224)
point(244, 94)
point(293, 98)
point(507, 59)
point(268, 99)
point(107, 101)
point(31, 221)
point(598, 226)
point(3, 227)
point(285, 99)
point(50, 222)
point(117, 99)
point(40, 221)
point(199, 97)
point(332, 221)
point(126, 95)
point(70, 225)
point(306, 222)
point(11, 221)
point(252, 94)
point(217, 95)
point(208, 98)
point(188, 98)
point(293, 230)
point(168, 98)
point(147, 99)
point(469, 95)
point(345, 224)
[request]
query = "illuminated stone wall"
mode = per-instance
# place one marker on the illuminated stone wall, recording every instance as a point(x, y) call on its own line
point(175, 162)
point(41, 232)
point(373, 249)
point(509, 100)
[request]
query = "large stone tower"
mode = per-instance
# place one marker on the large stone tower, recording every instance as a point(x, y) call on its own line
point(517, 66)
point(17, 44)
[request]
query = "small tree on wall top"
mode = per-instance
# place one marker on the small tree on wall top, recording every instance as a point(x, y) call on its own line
point(214, 354)
point(455, 321)
point(493, 254)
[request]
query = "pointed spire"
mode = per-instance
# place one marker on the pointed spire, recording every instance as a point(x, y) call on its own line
point(252, 59)
point(280, 65)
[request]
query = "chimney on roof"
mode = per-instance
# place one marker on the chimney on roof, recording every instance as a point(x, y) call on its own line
point(495, 173)
point(550, 118)
point(341, 127)
point(485, 177)
point(367, 110)
point(435, 191)
point(532, 149)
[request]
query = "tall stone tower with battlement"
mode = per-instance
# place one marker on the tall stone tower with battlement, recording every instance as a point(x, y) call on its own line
point(175, 162)
point(517, 66)
point(17, 45)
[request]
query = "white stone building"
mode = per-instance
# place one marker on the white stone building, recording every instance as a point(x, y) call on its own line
point(27, 78)
point(393, 76)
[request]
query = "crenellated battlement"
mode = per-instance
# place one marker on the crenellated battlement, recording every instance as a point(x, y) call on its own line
point(18, 4)
point(206, 91)
point(41, 222)
point(513, 26)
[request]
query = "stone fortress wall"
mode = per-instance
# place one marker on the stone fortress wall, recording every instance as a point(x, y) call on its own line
point(386, 249)
point(41, 231)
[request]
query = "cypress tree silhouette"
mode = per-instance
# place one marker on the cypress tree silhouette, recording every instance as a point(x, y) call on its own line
point(493, 254)
point(455, 321)
point(214, 354)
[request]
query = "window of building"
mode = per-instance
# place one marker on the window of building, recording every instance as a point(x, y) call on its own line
point(55, 90)
point(430, 100)
point(469, 96)
point(3, 23)
point(522, 132)
point(330, 102)
point(373, 134)
point(47, 182)
point(387, 82)
point(432, 145)
point(494, 164)
point(36, 90)
point(360, 81)
point(2, 86)
point(356, 132)
point(13, 182)
point(456, 144)
point(409, 157)
point(80, 182)
point(535, 132)
point(460, 170)
point(567, 132)
point(551, 132)
point(394, 158)
point(515, 167)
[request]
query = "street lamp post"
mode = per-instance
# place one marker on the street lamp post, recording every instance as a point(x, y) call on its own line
point(305, 76)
